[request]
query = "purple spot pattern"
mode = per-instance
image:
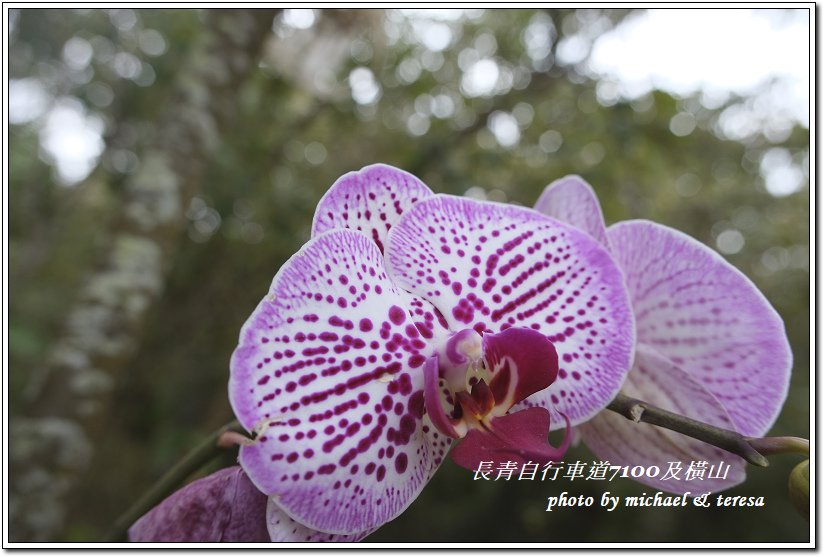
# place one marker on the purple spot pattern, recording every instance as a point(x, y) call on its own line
point(498, 266)
point(658, 381)
point(708, 318)
point(284, 529)
point(328, 372)
point(370, 200)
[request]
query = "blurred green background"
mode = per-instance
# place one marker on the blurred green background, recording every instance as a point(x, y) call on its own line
point(163, 164)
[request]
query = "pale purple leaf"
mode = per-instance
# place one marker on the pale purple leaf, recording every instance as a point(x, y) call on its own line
point(490, 267)
point(370, 200)
point(329, 374)
point(222, 507)
point(699, 311)
point(572, 200)
point(658, 381)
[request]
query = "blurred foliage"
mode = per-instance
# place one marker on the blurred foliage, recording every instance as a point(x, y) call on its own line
point(367, 86)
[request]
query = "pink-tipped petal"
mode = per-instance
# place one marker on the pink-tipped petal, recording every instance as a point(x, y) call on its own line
point(572, 200)
point(490, 267)
point(370, 200)
point(521, 362)
point(284, 529)
point(222, 507)
point(708, 318)
point(329, 374)
point(658, 381)
point(519, 437)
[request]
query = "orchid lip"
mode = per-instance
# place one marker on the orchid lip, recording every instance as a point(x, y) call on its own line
point(509, 367)
point(475, 378)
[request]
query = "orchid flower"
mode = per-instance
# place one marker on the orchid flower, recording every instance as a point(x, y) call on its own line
point(410, 320)
point(709, 344)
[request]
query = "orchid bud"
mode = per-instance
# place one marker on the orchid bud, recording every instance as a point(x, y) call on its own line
point(799, 487)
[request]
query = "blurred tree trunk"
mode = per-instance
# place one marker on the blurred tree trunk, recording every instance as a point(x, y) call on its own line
point(67, 402)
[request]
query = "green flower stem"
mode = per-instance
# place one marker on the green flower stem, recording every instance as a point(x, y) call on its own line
point(778, 445)
point(640, 411)
point(198, 457)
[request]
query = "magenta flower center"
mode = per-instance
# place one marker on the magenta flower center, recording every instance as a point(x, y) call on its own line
point(472, 380)
point(472, 383)
point(463, 394)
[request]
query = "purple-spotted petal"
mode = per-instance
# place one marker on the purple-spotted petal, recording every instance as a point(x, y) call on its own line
point(329, 374)
point(521, 362)
point(222, 507)
point(284, 529)
point(491, 267)
point(657, 380)
point(519, 437)
point(435, 399)
point(708, 318)
point(370, 200)
point(427, 319)
point(572, 200)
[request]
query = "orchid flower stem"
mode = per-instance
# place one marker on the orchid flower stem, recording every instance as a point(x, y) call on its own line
point(778, 445)
point(640, 411)
point(198, 457)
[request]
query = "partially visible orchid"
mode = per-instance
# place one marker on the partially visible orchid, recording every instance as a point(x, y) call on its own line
point(410, 320)
point(709, 344)
point(222, 507)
